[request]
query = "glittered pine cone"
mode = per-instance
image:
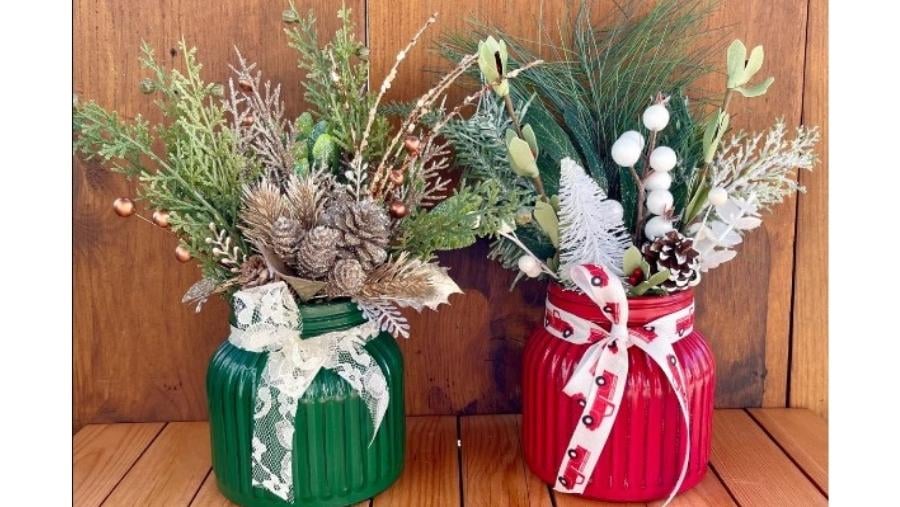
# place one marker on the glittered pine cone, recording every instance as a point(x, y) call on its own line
point(254, 272)
point(317, 252)
point(286, 236)
point(346, 279)
point(674, 252)
point(365, 230)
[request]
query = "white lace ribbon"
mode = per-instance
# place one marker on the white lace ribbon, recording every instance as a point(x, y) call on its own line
point(598, 380)
point(268, 320)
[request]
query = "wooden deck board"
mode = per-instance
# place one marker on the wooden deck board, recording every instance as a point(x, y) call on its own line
point(775, 457)
point(754, 468)
point(494, 471)
point(102, 454)
point(431, 473)
point(171, 470)
point(709, 493)
point(804, 437)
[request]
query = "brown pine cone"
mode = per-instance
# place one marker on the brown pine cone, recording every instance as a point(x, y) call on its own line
point(317, 252)
point(254, 272)
point(286, 236)
point(674, 252)
point(365, 230)
point(346, 279)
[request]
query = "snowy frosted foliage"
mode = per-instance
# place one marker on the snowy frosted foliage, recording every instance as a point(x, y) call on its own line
point(386, 315)
point(716, 238)
point(591, 228)
point(762, 166)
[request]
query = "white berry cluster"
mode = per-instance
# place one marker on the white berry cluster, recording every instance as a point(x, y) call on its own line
point(626, 152)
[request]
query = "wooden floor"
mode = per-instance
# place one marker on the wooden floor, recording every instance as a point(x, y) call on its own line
point(765, 457)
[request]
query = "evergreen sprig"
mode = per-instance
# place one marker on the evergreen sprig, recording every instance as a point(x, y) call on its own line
point(474, 211)
point(602, 77)
point(199, 174)
point(336, 82)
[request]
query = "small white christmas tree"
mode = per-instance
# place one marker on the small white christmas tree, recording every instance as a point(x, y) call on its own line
point(591, 226)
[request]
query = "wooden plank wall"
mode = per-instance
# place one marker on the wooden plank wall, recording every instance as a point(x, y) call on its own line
point(141, 356)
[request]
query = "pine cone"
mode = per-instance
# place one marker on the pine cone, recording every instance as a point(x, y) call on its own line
point(317, 252)
point(346, 279)
point(676, 253)
point(365, 230)
point(286, 236)
point(254, 272)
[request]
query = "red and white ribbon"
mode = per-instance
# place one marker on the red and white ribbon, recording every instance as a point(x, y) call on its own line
point(598, 381)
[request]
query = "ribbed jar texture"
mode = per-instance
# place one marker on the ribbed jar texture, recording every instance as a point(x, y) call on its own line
point(642, 458)
point(333, 463)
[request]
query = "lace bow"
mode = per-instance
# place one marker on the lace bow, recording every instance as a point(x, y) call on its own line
point(268, 320)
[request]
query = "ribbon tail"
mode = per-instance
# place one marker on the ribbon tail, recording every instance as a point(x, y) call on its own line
point(600, 402)
point(273, 424)
point(366, 377)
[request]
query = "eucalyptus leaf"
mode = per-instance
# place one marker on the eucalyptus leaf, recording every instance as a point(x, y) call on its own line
point(713, 134)
point(658, 278)
point(640, 289)
point(696, 203)
point(545, 216)
point(631, 260)
point(736, 63)
point(645, 267)
point(521, 159)
point(754, 63)
point(757, 89)
point(528, 133)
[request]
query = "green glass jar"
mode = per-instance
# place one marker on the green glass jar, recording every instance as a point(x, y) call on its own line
point(334, 464)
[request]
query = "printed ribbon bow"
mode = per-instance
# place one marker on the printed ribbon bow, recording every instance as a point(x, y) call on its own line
point(268, 320)
point(598, 381)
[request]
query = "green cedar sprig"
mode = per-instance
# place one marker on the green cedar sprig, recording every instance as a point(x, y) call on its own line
point(336, 82)
point(197, 176)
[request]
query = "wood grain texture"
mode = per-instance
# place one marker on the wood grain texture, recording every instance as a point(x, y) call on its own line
point(431, 474)
point(465, 359)
point(493, 464)
point(809, 365)
point(709, 493)
point(174, 469)
point(744, 305)
point(752, 466)
point(103, 454)
point(209, 495)
point(170, 472)
point(141, 355)
point(804, 437)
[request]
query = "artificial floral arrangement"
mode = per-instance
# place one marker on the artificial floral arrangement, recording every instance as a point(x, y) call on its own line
point(605, 168)
point(334, 202)
point(626, 193)
point(299, 222)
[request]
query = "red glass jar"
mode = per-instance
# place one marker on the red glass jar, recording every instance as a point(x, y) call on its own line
point(642, 457)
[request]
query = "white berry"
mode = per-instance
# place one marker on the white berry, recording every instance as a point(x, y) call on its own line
point(660, 201)
point(656, 117)
point(656, 227)
point(626, 152)
point(635, 136)
point(613, 210)
point(530, 266)
point(663, 159)
point(657, 180)
point(718, 196)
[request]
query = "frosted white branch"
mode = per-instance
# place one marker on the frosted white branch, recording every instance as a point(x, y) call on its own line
point(589, 230)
